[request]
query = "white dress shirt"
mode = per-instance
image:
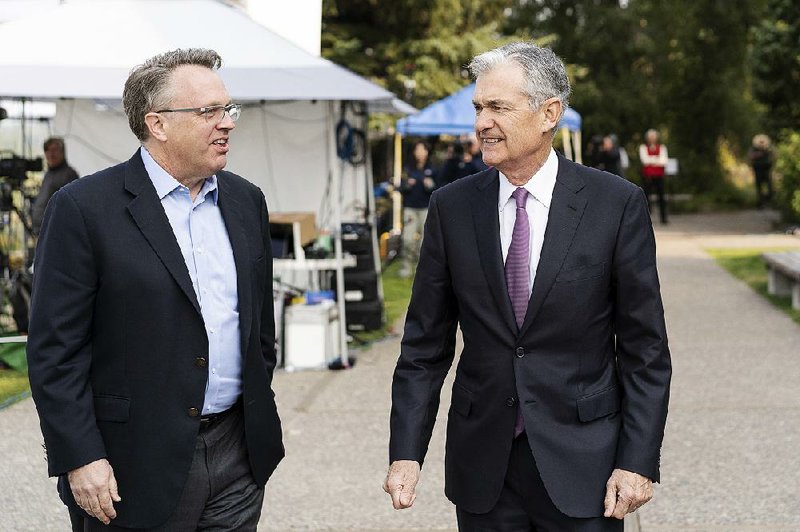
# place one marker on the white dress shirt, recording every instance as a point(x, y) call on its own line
point(540, 188)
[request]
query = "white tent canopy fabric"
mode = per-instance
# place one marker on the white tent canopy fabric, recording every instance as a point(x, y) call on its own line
point(80, 53)
point(85, 49)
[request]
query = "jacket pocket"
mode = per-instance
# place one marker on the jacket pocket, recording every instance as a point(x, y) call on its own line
point(461, 400)
point(599, 404)
point(111, 408)
point(581, 273)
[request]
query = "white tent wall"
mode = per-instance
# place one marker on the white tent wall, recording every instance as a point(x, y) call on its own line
point(285, 148)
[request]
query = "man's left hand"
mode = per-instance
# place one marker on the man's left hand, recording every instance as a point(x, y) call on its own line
point(626, 491)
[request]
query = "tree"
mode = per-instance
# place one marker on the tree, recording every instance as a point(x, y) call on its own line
point(776, 64)
point(417, 49)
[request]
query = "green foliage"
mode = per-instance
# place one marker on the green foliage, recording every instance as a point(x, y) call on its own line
point(776, 63)
point(416, 49)
point(787, 164)
point(747, 265)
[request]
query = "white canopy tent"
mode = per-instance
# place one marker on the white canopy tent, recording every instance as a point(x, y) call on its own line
point(79, 55)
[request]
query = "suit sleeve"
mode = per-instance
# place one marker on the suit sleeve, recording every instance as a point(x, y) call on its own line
point(59, 342)
point(643, 357)
point(268, 309)
point(427, 349)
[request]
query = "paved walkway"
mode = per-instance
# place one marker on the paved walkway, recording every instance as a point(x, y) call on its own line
point(729, 461)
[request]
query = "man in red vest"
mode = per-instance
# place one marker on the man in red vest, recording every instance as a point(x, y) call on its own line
point(654, 160)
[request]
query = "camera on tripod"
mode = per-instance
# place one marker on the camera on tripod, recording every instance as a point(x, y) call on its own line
point(15, 170)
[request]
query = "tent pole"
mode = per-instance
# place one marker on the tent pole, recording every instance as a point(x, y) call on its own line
point(336, 189)
point(565, 142)
point(576, 140)
point(397, 198)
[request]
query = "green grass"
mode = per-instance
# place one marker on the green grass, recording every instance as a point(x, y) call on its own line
point(396, 295)
point(13, 381)
point(13, 385)
point(747, 265)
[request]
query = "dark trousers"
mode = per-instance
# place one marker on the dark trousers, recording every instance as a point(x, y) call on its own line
point(525, 506)
point(220, 493)
point(763, 186)
point(656, 186)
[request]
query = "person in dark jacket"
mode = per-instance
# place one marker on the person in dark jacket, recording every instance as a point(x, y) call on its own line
point(760, 156)
point(417, 185)
point(58, 174)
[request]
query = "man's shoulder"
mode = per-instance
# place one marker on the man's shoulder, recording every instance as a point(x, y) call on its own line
point(602, 182)
point(468, 185)
point(238, 183)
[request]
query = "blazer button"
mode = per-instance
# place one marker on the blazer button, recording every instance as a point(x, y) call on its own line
point(200, 362)
point(193, 412)
point(520, 352)
point(511, 401)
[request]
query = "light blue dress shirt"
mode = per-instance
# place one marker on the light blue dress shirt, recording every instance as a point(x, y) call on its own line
point(200, 230)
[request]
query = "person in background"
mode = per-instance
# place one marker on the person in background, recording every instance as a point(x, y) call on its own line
point(760, 157)
point(474, 150)
point(58, 174)
point(417, 185)
point(460, 165)
point(610, 158)
point(653, 156)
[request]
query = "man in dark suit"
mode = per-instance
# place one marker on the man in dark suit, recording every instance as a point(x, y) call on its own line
point(560, 396)
point(151, 346)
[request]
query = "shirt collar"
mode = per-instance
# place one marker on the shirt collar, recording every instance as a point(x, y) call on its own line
point(540, 186)
point(165, 184)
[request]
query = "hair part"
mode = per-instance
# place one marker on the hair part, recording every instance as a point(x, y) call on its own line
point(147, 87)
point(544, 72)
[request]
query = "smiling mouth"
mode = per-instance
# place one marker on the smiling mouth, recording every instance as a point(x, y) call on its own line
point(221, 142)
point(491, 141)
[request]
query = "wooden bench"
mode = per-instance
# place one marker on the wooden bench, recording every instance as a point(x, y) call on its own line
point(784, 275)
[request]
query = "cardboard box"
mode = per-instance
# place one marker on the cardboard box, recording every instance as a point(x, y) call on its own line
point(305, 222)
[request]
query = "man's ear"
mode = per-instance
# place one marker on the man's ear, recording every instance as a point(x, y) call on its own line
point(551, 111)
point(156, 126)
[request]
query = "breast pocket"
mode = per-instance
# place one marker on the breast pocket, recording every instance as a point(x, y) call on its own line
point(581, 273)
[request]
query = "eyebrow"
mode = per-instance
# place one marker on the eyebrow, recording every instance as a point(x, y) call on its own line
point(491, 102)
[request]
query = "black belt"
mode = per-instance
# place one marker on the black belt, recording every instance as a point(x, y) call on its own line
point(209, 420)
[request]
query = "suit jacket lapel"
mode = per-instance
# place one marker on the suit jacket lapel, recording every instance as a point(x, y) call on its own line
point(566, 209)
point(487, 232)
point(232, 214)
point(149, 216)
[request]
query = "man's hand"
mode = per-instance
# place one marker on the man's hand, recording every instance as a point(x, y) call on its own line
point(95, 489)
point(626, 492)
point(401, 481)
point(429, 183)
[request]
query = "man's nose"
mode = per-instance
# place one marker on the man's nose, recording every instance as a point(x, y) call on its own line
point(483, 121)
point(226, 122)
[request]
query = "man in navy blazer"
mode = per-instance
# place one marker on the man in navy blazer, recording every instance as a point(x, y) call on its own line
point(151, 346)
point(560, 395)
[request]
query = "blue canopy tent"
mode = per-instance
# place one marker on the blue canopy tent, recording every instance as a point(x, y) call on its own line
point(455, 115)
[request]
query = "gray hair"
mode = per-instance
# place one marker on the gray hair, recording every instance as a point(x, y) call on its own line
point(545, 73)
point(147, 87)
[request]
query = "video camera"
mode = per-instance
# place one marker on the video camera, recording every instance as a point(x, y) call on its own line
point(16, 168)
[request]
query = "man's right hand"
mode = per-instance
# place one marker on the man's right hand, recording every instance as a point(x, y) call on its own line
point(401, 481)
point(95, 489)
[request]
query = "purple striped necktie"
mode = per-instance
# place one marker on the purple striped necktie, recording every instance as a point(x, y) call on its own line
point(518, 272)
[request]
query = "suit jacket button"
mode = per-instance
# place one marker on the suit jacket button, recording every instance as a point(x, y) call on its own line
point(200, 362)
point(511, 401)
point(520, 352)
point(193, 412)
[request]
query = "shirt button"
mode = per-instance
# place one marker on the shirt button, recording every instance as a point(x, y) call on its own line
point(511, 401)
point(200, 362)
point(193, 412)
point(520, 352)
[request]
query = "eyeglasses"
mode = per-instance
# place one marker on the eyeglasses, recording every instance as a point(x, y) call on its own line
point(212, 113)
